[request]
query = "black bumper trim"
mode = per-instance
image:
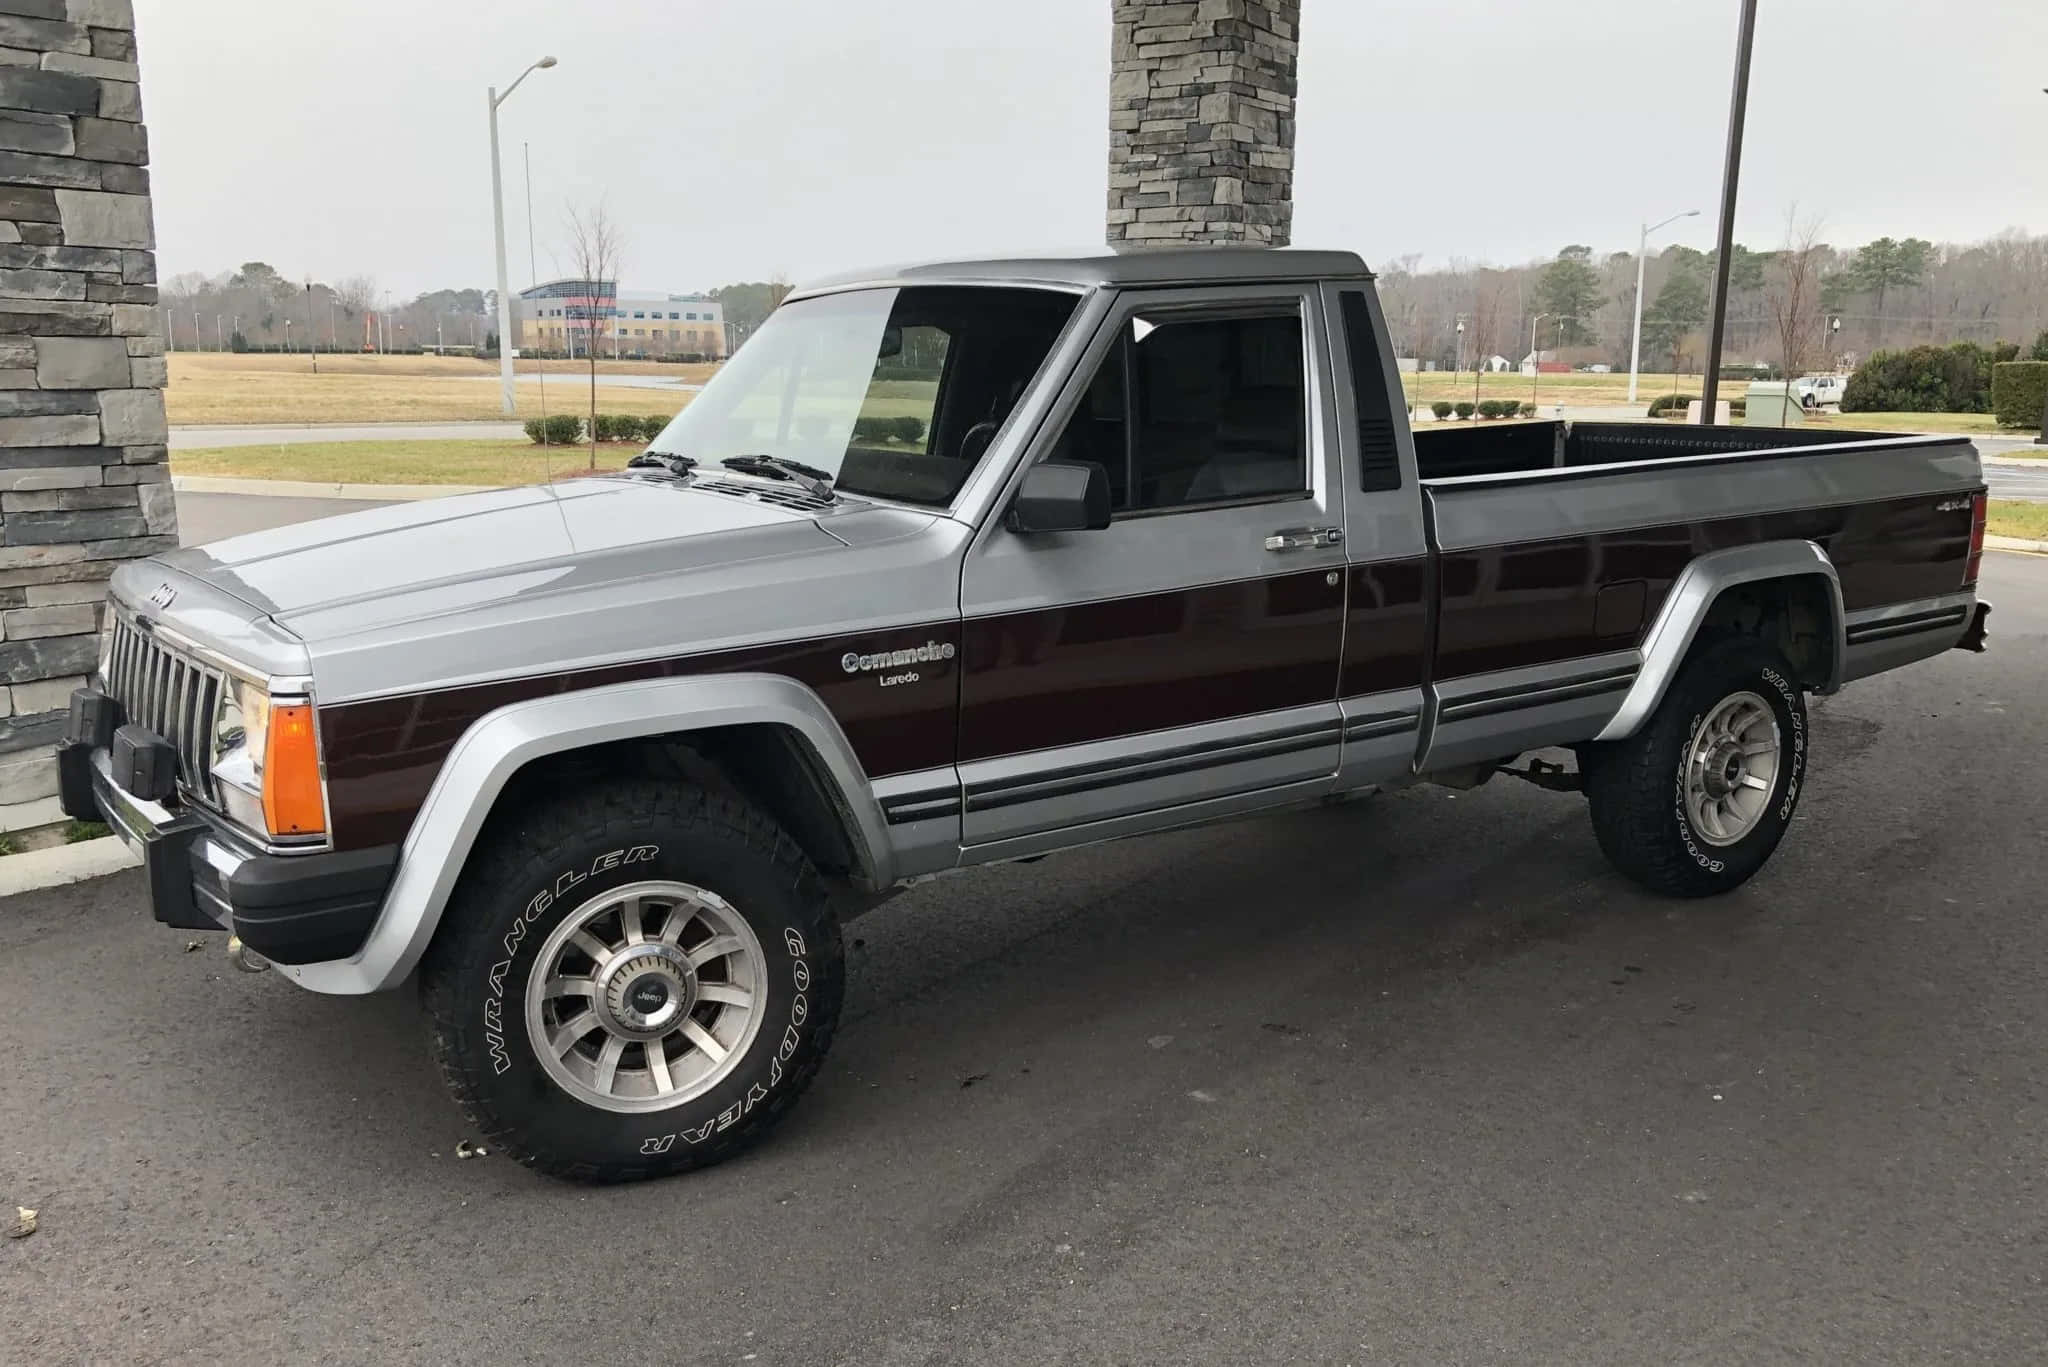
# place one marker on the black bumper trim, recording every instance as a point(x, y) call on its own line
point(308, 908)
point(291, 909)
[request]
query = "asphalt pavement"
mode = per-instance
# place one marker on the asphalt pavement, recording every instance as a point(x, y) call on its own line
point(2009, 480)
point(1414, 1079)
point(210, 517)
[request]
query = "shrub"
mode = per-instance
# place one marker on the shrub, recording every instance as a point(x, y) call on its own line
point(1442, 409)
point(873, 429)
point(1924, 379)
point(557, 429)
point(1489, 408)
point(1664, 405)
point(909, 429)
point(618, 427)
point(1464, 410)
point(651, 425)
point(1528, 410)
point(2039, 352)
point(2019, 392)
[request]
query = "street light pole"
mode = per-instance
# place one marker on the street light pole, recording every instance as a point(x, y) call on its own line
point(1535, 361)
point(1731, 171)
point(1635, 350)
point(498, 222)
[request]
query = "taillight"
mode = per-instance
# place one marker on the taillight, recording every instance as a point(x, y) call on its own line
point(1980, 510)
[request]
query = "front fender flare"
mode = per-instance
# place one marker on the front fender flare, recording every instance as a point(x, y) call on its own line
point(1693, 594)
point(501, 742)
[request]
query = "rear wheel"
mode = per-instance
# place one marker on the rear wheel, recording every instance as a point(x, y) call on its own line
point(633, 980)
point(1696, 801)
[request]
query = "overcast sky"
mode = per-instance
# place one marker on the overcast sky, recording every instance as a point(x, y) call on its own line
point(738, 139)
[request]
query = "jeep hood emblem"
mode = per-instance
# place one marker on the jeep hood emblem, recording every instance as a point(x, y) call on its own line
point(163, 595)
point(854, 663)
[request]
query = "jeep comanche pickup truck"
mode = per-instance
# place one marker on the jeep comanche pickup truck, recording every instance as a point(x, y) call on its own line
point(952, 564)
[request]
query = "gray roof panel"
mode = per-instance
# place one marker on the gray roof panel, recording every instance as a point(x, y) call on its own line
point(1137, 266)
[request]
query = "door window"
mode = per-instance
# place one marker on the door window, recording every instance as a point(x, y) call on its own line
point(1193, 411)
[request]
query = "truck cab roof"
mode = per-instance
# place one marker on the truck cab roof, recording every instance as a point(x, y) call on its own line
point(1130, 267)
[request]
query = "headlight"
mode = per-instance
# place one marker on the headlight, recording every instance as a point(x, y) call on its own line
point(266, 758)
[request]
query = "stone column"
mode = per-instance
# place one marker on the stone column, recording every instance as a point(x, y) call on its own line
point(84, 483)
point(1201, 121)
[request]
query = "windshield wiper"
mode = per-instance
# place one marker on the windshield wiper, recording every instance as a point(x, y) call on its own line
point(662, 460)
point(813, 481)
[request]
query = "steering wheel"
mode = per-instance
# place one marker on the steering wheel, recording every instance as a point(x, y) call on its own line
point(983, 432)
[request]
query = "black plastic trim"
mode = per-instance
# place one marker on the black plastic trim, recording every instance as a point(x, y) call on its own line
point(309, 908)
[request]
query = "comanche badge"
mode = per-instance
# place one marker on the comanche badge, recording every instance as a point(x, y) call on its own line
point(855, 663)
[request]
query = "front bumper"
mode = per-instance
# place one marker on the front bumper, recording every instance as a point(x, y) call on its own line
point(291, 909)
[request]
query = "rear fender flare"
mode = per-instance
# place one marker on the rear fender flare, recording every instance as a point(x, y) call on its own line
point(499, 744)
point(1692, 597)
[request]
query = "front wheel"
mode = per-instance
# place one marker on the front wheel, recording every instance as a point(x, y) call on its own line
point(1695, 802)
point(633, 980)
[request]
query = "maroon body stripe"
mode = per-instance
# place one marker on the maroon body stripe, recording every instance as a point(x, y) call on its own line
point(1120, 666)
point(1090, 671)
point(1536, 602)
point(382, 755)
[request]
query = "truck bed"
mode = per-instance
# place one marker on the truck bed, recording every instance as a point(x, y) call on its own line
point(1450, 452)
point(1558, 544)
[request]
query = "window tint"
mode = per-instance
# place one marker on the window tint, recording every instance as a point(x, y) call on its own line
point(1199, 411)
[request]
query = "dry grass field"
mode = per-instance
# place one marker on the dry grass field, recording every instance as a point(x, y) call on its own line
point(2011, 517)
point(403, 462)
point(220, 387)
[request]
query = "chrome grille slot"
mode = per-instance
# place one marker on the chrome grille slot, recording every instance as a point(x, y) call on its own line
point(171, 694)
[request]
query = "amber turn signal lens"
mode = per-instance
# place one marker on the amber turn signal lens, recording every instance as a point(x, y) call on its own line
point(292, 803)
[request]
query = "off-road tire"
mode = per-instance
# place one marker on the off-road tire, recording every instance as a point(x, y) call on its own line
point(538, 864)
point(1635, 787)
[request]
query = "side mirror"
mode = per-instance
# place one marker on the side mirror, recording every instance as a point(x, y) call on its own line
point(1061, 496)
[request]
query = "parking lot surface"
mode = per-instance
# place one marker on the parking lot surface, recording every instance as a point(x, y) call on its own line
point(1415, 1078)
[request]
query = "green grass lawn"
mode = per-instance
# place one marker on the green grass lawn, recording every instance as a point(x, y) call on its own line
point(2028, 521)
point(402, 462)
point(1969, 424)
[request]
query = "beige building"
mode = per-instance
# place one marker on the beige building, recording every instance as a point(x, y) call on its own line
point(572, 316)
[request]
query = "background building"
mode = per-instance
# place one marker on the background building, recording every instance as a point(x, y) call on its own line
point(570, 316)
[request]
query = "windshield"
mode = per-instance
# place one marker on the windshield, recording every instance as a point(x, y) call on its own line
point(891, 392)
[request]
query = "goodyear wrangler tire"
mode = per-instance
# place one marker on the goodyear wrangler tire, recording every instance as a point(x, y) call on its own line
point(1694, 803)
point(633, 980)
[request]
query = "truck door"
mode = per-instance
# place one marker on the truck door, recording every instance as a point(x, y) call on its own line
point(1392, 588)
point(1181, 662)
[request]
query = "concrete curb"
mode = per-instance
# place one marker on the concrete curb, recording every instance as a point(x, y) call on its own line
point(62, 864)
point(2014, 543)
point(2039, 462)
point(293, 488)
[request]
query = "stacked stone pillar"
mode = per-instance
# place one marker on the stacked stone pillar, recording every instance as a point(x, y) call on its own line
point(1201, 121)
point(84, 483)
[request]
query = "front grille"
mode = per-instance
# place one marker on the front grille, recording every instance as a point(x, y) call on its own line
point(176, 697)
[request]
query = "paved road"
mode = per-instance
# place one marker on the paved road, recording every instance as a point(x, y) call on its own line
point(187, 438)
point(2008, 481)
point(209, 517)
point(1416, 1079)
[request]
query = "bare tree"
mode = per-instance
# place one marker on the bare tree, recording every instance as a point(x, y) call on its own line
point(357, 296)
point(594, 247)
point(1792, 290)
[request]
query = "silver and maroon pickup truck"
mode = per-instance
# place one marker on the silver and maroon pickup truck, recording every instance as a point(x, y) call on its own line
point(952, 564)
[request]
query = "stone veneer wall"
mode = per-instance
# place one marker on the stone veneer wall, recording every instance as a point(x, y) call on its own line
point(83, 479)
point(1201, 121)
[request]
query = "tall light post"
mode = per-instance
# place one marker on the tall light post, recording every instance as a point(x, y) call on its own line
point(1535, 361)
point(1635, 349)
point(498, 222)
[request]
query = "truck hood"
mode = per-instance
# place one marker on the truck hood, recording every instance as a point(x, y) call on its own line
point(518, 581)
